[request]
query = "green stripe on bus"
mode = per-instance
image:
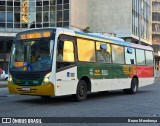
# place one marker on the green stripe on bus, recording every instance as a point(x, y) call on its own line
point(102, 71)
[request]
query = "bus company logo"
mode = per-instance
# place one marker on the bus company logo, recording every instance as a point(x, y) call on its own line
point(91, 71)
point(6, 120)
point(97, 72)
point(104, 72)
point(25, 68)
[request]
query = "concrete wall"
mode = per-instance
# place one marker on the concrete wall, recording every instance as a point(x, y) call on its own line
point(112, 16)
point(79, 14)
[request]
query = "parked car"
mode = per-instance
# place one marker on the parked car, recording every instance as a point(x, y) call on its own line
point(3, 75)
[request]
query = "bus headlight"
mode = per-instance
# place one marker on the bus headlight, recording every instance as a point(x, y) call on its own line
point(46, 78)
point(10, 79)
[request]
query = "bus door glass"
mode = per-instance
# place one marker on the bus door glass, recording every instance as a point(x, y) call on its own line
point(66, 69)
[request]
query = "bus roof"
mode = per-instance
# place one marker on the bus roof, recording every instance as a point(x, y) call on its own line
point(95, 36)
point(113, 40)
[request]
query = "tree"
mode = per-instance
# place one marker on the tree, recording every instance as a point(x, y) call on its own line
point(86, 30)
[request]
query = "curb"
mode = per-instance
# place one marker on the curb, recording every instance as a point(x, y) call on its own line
point(3, 85)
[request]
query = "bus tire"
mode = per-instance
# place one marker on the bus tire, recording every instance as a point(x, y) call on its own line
point(134, 87)
point(81, 93)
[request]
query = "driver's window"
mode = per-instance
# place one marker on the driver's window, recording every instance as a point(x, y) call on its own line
point(65, 51)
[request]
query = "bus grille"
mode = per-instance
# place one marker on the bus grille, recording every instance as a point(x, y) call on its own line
point(28, 75)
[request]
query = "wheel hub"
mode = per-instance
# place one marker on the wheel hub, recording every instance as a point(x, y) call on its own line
point(82, 90)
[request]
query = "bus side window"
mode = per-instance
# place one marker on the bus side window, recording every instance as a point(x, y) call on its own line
point(118, 54)
point(103, 51)
point(130, 55)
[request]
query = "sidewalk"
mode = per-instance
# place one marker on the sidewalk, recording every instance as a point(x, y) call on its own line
point(3, 84)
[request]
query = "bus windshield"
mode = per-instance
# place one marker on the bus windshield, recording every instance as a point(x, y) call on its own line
point(32, 55)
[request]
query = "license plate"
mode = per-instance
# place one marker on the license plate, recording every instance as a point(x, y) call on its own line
point(26, 89)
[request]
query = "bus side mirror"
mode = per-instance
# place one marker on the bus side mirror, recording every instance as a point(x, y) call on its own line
point(103, 46)
point(129, 50)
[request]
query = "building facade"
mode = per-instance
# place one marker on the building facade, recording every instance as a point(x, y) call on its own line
point(23, 14)
point(128, 19)
point(19, 15)
point(156, 29)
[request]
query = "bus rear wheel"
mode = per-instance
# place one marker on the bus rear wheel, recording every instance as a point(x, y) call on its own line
point(81, 93)
point(134, 87)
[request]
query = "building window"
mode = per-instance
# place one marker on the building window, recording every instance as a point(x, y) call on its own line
point(59, 7)
point(9, 8)
point(59, 16)
point(46, 17)
point(38, 3)
point(36, 13)
point(17, 17)
point(66, 6)
point(2, 16)
point(9, 25)
point(39, 17)
point(45, 3)
point(17, 4)
point(66, 1)
point(52, 16)
point(9, 16)
point(52, 2)
point(66, 15)
point(59, 2)
point(59, 24)
point(2, 8)
point(45, 24)
point(2, 25)
point(38, 9)
point(65, 24)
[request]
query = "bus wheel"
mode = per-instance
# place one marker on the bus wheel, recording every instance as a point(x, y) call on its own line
point(134, 87)
point(81, 93)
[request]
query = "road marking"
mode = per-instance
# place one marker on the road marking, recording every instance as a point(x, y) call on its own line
point(6, 95)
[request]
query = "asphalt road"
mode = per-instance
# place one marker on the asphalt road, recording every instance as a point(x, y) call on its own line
point(146, 103)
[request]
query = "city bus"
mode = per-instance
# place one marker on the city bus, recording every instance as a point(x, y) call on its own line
point(50, 62)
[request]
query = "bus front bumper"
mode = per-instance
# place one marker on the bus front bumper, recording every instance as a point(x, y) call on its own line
point(41, 90)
